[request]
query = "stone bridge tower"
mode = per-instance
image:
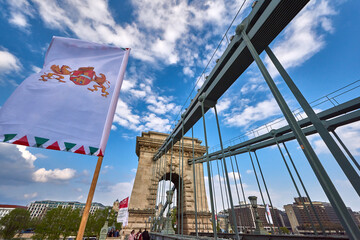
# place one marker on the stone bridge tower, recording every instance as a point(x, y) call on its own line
point(143, 196)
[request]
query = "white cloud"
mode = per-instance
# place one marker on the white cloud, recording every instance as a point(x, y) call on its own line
point(249, 171)
point(223, 105)
point(161, 105)
point(30, 195)
point(156, 123)
point(134, 170)
point(43, 175)
point(8, 62)
point(159, 30)
point(188, 71)
point(109, 193)
point(254, 84)
point(18, 20)
point(347, 134)
point(11, 157)
point(250, 114)
point(19, 12)
point(304, 36)
point(125, 117)
point(28, 156)
point(35, 69)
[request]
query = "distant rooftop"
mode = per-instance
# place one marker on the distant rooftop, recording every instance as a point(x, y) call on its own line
point(11, 206)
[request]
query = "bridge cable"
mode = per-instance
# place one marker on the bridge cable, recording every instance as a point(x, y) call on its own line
point(182, 181)
point(178, 205)
point(346, 149)
point(226, 193)
point(214, 190)
point(234, 222)
point(201, 183)
point(219, 176)
point(164, 180)
point(157, 174)
point(212, 56)
point(172, 151)
point(258, 183)
point(237, 190)
point(208, 168)
point(242, 189)
point(194, 179)
point(268, 194)
point(306, 192)
point(296, 187)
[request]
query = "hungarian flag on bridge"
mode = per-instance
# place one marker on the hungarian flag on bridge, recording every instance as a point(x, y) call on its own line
point(123, 214)
point(70, 104)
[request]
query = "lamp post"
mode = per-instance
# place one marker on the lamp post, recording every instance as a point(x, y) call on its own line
point(258, 224)
point(168, 226)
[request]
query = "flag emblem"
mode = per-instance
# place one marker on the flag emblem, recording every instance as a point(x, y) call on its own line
point(83, 76)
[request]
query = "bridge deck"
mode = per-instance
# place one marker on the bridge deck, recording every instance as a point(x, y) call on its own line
point(159, 236)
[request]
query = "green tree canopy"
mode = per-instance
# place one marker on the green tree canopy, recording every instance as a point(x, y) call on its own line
point(58, 222)
point(12, 223)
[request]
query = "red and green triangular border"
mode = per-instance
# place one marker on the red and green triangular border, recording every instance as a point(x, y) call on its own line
point(41, 142)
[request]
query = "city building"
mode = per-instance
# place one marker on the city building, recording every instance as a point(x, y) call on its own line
point(6, 209)
point(246, 219)
point(301, 223)
point(38, 209)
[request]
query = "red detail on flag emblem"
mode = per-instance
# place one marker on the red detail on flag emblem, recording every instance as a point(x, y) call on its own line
point(54, 146)
point(22, 141)
point(82, 76)
point(124, 203)
point(81, 150)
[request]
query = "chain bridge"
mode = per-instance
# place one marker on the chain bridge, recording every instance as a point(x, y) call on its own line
point(171, 166)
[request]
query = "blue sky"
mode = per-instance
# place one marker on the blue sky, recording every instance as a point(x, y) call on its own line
point(172, 42)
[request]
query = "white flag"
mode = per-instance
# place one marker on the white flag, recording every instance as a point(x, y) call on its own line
point(70, 104)
point(123, 214)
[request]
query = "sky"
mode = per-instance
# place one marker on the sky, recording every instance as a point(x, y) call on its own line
point(171, 44)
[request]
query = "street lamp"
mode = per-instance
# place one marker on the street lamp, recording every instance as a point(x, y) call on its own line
point(258, 224)
point(168, 226)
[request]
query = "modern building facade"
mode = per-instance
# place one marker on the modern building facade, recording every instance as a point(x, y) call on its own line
point(38, 209)
point(301, 223)
point(6, 209)
point(245, 218)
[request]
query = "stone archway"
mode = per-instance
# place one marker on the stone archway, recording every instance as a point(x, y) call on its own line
point(143, 195)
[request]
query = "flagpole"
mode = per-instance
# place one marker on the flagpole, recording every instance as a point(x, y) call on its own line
point(89, 200)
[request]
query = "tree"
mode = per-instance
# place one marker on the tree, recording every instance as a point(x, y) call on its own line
point(58, 222)
point(17, 220)
point(95, 223)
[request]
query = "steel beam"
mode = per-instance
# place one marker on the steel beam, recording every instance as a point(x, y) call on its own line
point(266, 20)
point(340, 115)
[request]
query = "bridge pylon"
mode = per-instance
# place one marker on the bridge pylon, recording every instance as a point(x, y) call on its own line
point(150, 173)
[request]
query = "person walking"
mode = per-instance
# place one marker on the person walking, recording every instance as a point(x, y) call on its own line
point(138, 235)
point(145, 235)
point(132, 235)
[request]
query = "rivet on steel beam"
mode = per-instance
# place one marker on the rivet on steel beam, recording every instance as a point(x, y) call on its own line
point(202, 97)
point(240, 28)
